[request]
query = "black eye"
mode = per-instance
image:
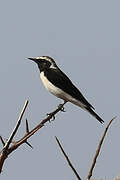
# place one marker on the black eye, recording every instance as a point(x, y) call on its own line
point(42, 61)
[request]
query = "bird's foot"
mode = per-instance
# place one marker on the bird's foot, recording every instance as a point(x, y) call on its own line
point(60, 108)
point(52, 116)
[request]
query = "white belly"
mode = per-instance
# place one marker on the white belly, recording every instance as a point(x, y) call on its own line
point(58, 92)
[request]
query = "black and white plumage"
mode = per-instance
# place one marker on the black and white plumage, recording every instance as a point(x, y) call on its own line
point(60, 85)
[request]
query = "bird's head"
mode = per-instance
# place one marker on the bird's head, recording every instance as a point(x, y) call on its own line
point(44, 62)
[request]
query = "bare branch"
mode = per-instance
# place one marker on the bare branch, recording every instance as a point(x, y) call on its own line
point(34, 130)
point(10, 146)
point(16, 127)
point(7, 149)
point(98, 149)
point(68, 160)
point(4, 153)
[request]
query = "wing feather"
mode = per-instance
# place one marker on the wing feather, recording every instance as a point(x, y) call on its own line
point(59, 79)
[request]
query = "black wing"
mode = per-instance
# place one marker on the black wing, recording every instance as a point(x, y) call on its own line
point(59, 79)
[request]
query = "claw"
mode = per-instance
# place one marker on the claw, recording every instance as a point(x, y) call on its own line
point(53, 116)
point(63, 109)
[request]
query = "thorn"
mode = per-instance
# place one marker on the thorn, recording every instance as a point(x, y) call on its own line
point(3, 143)
point(27, 126)
point(29, 144)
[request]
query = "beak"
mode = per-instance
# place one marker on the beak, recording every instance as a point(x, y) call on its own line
point(31, 58)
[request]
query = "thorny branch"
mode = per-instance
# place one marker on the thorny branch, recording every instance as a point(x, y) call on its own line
point(9, 146)
point(98, 149)
point(68, 160)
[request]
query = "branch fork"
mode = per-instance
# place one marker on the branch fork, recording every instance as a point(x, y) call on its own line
point(10, 145)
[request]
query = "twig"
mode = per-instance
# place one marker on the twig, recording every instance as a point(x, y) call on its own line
point(34, 130)
point(7, 149)
point(68, 160)
point(98, 150)
point(16, 126)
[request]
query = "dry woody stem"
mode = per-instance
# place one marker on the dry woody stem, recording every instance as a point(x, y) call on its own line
point(98, 150)
point(68, 160)
point(10, 146)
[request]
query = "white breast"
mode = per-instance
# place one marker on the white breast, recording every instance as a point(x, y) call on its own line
point(49, 86)
point(58, 92)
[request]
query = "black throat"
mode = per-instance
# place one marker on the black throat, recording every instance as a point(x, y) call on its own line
point(43, 66)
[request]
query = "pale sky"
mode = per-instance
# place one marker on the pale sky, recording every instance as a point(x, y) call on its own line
point(84, 39)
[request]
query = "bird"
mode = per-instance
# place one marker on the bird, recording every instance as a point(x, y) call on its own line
point(57, 83)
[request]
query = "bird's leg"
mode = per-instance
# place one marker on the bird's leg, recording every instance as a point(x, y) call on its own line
point(60, 108)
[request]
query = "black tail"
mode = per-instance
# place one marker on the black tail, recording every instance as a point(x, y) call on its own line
point(94, 114)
